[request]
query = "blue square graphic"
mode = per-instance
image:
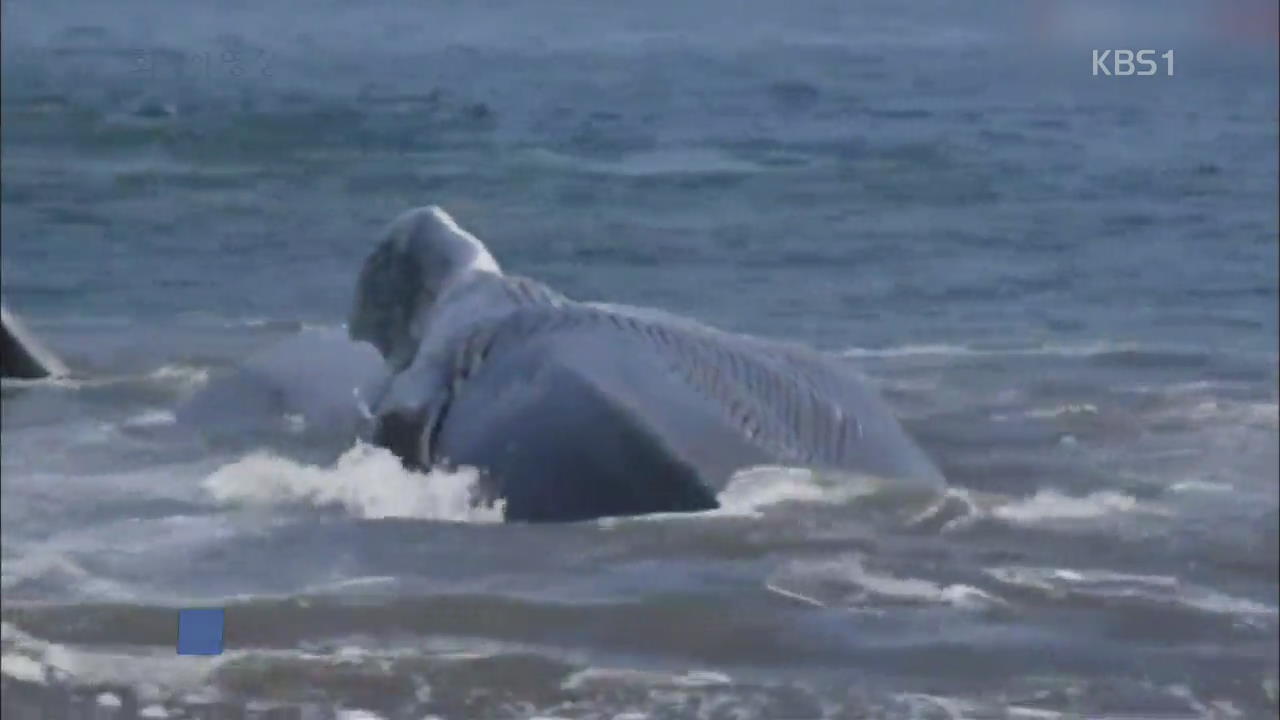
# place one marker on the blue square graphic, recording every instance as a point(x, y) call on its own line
point(200, 631)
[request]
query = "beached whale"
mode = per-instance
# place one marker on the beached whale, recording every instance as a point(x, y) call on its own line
point(23, 355)
point(574, 410)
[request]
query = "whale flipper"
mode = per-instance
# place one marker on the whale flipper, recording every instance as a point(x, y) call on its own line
point(23, 356)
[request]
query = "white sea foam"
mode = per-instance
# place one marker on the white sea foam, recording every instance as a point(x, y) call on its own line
point(368, 482)
point(1067, 410)
point(1051, 505)
point(358, 715)
point(50, 567)
point(20, 383)
point(40, 564)
point(1263, 413)
point(1015, 711)
point(146, 671)
point(1165, 589)
point(20, 667)
point(597, 676)
point(955, 509)
point(847, 582)
point(62, 382)
point(922, 705)
point(753, 492)
point(151, 418)
point(1201, 487)
point(1203, 411)
point(185, 375)
point(753, 489)
point(371, 581)
point(157, 680)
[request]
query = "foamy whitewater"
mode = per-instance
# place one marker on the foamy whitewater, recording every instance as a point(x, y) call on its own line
point(366, 482)
point(1063, 285)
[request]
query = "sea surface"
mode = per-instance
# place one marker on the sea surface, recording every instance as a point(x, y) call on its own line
point(1065, 284)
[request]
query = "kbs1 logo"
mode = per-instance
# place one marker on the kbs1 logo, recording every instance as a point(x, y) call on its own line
point(1123, 63)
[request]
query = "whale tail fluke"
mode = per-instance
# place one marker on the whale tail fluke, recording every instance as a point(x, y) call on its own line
point(23, 356)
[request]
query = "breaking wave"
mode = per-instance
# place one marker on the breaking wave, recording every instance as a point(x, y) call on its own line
point(366, 481)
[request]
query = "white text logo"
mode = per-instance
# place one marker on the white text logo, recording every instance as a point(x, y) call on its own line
point(1123, 63)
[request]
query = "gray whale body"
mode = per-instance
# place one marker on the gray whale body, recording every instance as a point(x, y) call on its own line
point(574, 410)
point(311, 378)
point(23, 355)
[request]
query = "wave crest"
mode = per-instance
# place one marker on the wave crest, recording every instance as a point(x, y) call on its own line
point(367, 481)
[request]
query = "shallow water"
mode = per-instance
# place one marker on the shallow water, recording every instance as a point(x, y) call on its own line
point(1064, 284)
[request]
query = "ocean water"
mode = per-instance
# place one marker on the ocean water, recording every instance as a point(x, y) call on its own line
point(1064, 284)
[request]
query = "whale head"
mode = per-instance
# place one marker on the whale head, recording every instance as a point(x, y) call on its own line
point(419, 255)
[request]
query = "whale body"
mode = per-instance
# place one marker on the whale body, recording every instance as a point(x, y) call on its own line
point(309, 382)
point(23, 355)
point(573, 410)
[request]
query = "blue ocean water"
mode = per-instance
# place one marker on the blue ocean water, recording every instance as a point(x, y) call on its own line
point(1065, 284)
